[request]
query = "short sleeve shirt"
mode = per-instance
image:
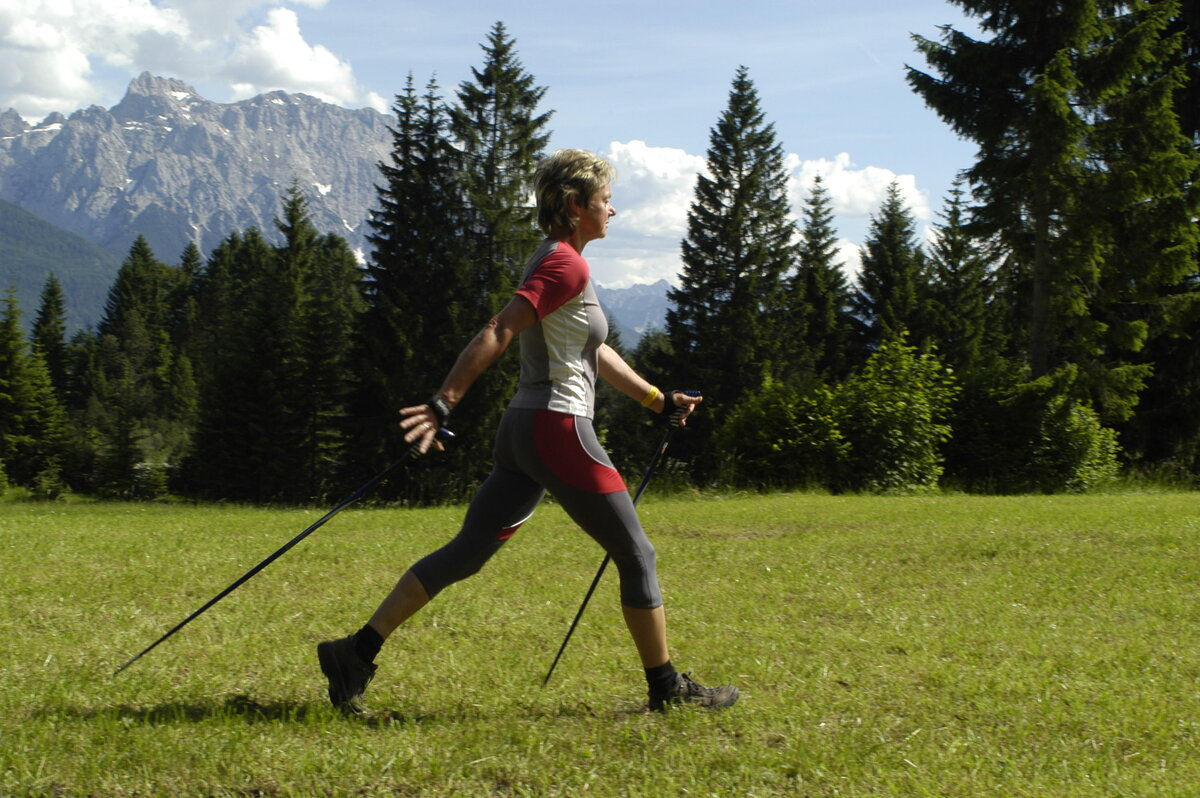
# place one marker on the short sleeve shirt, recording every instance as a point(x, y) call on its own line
point(559, 352)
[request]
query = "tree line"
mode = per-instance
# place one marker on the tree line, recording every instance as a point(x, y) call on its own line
point(1042, 338)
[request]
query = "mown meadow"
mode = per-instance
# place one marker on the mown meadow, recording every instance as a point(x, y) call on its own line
point(931, 646)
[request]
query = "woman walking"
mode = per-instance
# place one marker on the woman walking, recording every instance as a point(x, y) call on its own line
point(545, 442)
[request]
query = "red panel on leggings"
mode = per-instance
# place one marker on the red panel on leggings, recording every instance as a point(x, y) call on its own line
point(559, 447)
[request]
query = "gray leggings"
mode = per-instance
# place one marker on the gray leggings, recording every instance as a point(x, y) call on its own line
point(536, 451)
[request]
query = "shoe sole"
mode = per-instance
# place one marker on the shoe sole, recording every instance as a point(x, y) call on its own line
point(725, 702)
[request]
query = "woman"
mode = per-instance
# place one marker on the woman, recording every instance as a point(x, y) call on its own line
point(545, 442)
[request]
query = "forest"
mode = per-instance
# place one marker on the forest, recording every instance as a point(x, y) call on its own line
point(1042, 340)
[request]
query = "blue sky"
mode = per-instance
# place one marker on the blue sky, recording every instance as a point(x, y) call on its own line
point(640, 82)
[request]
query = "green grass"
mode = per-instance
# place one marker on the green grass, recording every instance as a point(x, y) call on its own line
point(936, 646)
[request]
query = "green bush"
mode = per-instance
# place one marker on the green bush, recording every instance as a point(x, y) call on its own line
point(780, 438)
point(48, 484)
point(1075, 453)
point(1030, 436)
point(893, 416)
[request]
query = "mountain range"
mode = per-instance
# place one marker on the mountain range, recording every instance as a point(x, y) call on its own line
point(167, 164)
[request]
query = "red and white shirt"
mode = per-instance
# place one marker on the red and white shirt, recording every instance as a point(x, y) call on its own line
point(559, 352)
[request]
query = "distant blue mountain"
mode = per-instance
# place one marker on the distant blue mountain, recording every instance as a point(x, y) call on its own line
point(636, 310)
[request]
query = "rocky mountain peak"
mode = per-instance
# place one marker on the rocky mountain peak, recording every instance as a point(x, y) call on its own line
point(171, 165)
point(149, 96)
point(12, 123)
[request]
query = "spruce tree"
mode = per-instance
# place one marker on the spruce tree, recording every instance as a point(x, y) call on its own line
point(820, 291)
point(418, 317)
point(726, 316)
point(328, 313)
point(135, 355)
point(49, 333)
point(892, 285)
point(501, 136)
point(1147, 199)
point(245, 436)
point(1013, 95)
point(1082, 172)
point(960, 293)
point(32, 422)
point(1165, 433)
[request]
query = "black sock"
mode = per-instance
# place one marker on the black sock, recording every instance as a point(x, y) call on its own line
point(661, 679)
point(367, 643)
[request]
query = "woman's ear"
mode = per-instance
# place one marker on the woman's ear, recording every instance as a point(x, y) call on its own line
point(575, 206)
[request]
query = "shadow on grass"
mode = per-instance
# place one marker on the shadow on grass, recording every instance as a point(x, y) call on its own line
point(238, 707)
point(249, 711)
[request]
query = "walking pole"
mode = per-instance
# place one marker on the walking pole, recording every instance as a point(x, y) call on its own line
point(662, 448)
point(353, 497)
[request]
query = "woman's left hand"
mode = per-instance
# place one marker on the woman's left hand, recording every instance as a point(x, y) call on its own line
point(685, 404)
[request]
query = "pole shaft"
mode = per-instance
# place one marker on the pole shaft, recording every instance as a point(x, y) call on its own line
point(353, 497)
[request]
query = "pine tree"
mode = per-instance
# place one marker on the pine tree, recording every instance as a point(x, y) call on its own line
point(418, 317)
point(819, 289)
point(501, 137)
point(244, 440)
point(960, 290)
point(327, 315)
point(32, 423)
point(135, 355)
point(1081, 171)
point(727, 314)
point(891, 295)
point(49, 333)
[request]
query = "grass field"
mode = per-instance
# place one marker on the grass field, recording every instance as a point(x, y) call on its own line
point(940, 646)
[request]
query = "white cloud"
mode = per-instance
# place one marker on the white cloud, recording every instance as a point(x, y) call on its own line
point(849, 255)
point(853, 192)
point(47, 47)
point(276, 56)
point(654, 187)
point(654, 191)
point(49, 50)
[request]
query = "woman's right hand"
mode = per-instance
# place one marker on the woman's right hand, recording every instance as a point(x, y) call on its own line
point(420, 423)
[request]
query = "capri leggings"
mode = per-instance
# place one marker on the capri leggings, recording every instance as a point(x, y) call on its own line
point(536, 451)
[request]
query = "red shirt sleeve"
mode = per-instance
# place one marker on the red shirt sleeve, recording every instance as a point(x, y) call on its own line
point(561, 275)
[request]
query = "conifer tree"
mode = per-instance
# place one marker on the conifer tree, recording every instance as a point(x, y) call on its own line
point(31, 418)
point(328, 313)
point(181, 398)
point(241, 444)
point(1165, 433)
point(418, 317)
point(727, 313)
point(49, 333)
point(135, 357)
point(819, 289)
point(891, 295)
point(1081, 170)
point(502, 137)
point(960, 292)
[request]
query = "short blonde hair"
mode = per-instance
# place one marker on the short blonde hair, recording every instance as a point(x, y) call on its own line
point(564, 174)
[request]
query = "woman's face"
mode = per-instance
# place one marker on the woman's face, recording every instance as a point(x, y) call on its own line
point(593, 217)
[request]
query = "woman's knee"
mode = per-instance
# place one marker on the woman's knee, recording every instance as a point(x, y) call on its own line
point(639, 577)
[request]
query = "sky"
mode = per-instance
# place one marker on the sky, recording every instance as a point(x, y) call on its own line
point(642, 83)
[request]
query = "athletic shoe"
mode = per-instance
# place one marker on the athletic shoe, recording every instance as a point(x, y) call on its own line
point(348, 675)
point(689, 691)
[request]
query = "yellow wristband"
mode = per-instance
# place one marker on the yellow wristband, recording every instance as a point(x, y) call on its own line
point(651, 395)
